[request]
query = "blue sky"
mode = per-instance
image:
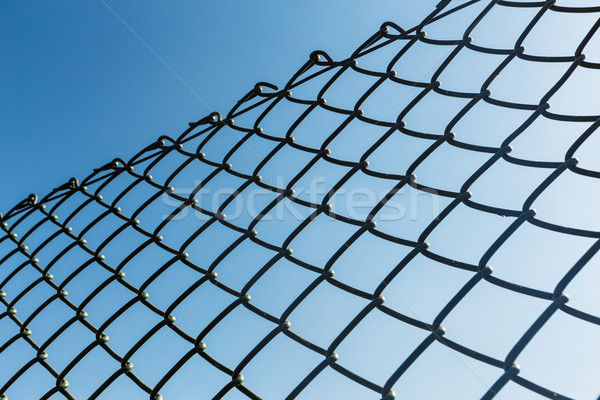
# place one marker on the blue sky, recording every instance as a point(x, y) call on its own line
point(79, 88)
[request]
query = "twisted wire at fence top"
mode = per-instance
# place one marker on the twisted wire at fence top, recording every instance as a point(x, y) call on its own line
point(206, 128)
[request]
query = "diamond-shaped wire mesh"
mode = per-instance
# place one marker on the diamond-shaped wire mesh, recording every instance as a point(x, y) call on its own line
point(128, 249)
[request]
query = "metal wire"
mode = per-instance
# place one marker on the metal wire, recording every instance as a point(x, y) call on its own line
point(206, 128)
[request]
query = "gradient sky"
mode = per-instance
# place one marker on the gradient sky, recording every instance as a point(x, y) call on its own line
point(82, 82)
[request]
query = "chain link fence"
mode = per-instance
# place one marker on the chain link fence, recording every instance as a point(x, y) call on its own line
point(84, 262)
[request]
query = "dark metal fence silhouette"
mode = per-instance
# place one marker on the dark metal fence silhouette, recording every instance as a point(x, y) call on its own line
point(40, 212)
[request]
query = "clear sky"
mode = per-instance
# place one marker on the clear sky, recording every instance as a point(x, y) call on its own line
point(81, 84)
